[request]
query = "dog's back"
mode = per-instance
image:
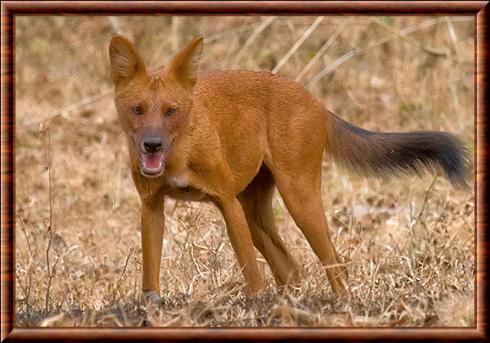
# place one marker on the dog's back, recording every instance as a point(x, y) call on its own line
point(263, 112)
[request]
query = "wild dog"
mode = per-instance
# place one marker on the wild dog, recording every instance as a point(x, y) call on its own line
point(232, 137)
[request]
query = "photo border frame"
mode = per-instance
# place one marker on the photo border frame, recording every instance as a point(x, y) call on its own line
point(11, 9)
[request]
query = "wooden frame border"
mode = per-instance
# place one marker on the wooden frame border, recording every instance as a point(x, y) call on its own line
point(9, 9)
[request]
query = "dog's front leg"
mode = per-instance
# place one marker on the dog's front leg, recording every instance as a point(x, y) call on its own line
point(241, 240)
point(152, 226)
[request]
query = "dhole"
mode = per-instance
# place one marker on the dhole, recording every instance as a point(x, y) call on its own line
point(231, 137)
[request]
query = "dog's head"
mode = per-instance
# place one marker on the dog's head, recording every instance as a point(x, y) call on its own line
point(154, 108)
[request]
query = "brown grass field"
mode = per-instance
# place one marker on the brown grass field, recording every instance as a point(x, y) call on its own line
point(409, 243)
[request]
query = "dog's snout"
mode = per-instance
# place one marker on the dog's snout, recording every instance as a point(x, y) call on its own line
point(152, 144)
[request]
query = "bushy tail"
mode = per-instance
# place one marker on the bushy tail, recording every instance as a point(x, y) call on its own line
point(385, 154)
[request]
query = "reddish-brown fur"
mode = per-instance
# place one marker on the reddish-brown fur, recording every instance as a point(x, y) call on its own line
point(234, 137)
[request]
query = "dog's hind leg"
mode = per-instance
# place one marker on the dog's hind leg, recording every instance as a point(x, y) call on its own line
point(302, 197)
point(256, 201)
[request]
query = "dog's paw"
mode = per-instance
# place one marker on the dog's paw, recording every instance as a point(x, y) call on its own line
point(152, 297)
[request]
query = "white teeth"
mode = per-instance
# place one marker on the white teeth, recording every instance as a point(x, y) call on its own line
point(157, 168)
point(154, 169)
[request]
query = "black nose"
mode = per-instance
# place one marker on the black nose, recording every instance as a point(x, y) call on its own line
point(152, 144)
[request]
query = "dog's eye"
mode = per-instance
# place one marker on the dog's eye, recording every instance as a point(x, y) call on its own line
point(171, 111)
point(137, 109)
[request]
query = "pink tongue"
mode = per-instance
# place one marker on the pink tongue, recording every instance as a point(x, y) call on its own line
point(152, 161)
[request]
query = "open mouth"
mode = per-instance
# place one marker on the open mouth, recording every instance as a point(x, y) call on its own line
point(152, 164)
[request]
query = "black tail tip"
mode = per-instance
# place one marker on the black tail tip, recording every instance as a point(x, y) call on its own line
point(456, 163)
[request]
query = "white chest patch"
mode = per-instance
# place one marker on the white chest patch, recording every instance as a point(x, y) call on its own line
point(178, 180)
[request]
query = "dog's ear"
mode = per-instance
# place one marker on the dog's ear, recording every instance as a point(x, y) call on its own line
point(185, 64)
point(125, 60)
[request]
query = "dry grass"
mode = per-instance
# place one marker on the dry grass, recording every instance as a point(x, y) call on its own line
point(409, 243)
